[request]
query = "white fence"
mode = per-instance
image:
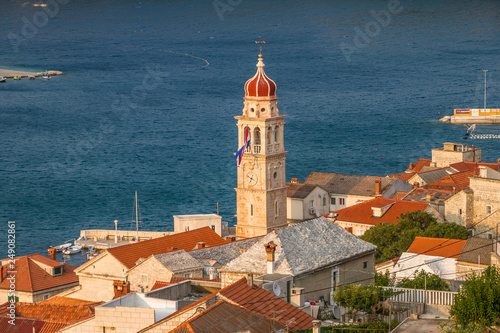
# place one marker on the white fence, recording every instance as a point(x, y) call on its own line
point(422, 296)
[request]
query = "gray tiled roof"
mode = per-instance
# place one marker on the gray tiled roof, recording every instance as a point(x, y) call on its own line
point(433, 175)
point(302, 248)
point(477, 249)
point(226, 252)
point(348, 184)
point(178, 261)
point(299, 191)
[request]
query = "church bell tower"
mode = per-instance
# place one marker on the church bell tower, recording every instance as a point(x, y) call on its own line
point(261, 191)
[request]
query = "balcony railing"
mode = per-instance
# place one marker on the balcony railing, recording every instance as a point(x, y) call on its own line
point(256, 149)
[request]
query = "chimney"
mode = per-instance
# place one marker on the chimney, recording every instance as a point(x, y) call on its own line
point(295, 180)
point(411, 166)
point(483, 173)
point(52, 253)
point(429, 197)
point(498, 161)
point(173, 248)
point(3, 272)
point(121, 288)
point(415, 185)
point(201, 245)
point(270, 249)
point(250, 280)
point(348, 229)
point(472, 147)
point(231, 239)
point(316, 326)
point(377, 186)
point(297, 297)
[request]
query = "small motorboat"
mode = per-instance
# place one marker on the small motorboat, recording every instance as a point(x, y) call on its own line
point(60, 248)
point(2, 79)
point(46, 76)
point(31, 77)
point(73, 249)
point(17, 77)
point(92, 253)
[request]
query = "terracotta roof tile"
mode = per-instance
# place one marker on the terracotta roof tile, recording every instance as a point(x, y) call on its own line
point(405, 176)
point(469, 166)
point(129, 254)
point(362, 212)
point(419, 165)
point(452, 183)
point(225, 317)
point(299, 191)
point(439, 247)
point(31, 277)
point(50, 311)
point(263, 302)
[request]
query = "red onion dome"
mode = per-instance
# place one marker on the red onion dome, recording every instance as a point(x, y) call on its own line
point(260, 85)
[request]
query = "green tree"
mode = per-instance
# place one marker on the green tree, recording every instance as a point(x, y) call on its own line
point(385, 236)
point(478, 301)
point(358, 297)
point(383, 279)
point(392, 240)
point(424, 280)
point(447, 230)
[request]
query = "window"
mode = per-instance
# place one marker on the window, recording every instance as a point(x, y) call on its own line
point(324, 200)
point(144, 278)
point(276, 208)
point(276, 134)
point(251, 210)
point(311, 204)
point(58, 270)
point(365, 264)
point(213, 228)
point(335, 278)
point(460, 212)
point(187, 275)
point(256, 133)
point(12, 297)
point(341, 201)
point(332, 201)
point(490, 236)
point(488, 210)
point(46, 296)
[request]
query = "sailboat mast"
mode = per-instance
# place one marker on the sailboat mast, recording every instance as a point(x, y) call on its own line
point(136, 216)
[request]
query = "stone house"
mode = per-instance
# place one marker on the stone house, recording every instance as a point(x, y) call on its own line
point(305, 202)
point(317, 254)
point(36, 278)
point(452, 153)
point(477, 255)
point(486, 202)
point(163, 267)
point(98, 276)
point(361, 217)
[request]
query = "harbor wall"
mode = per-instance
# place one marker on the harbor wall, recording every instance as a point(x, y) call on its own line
point(127, 234)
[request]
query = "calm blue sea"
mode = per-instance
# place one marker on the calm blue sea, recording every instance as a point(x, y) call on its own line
point(152, 88)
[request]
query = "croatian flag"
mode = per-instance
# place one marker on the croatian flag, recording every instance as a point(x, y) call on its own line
point(241, 151)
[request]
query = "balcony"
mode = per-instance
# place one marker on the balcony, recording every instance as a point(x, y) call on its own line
point(256, 149)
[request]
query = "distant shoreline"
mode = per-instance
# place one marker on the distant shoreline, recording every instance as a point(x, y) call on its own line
point(9, 74)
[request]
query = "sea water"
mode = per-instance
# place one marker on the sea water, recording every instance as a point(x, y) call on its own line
point(152, 87)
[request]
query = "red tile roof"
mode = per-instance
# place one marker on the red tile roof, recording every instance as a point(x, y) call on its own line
point(53, 312)
point(469, 166)
point(264, 303)
point(439, 247)
point(31, 277)
point(224, 317)
point(452, 183)
point(405, 176)
point(419, 165)
point(129, 254)
point(362, 212)
point(23, 325)
point(257, 300)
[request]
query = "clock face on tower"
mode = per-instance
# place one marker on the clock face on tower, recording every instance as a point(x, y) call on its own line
point(252, 178)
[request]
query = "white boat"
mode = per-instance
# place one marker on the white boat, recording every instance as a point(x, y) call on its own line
point(62, 247)
point(73, 249)
point(46, 76)
point(92, 253)
point(2, 79)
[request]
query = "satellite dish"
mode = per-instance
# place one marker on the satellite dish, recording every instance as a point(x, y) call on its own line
point(276, 289)
point(336, 312)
